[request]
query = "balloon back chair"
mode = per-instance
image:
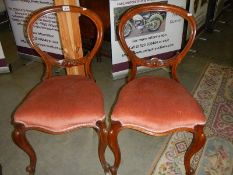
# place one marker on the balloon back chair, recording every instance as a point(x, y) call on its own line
point(155, 105)
point(60, 104)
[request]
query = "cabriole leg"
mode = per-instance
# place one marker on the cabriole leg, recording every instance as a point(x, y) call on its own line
point(113, 144)
point(103, 143)
point(19, 137)
point(198, 142)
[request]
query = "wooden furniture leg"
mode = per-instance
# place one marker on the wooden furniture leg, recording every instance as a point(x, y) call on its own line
point(21, 141)
point(113, 145)
point(103, 143)
point(198, 142)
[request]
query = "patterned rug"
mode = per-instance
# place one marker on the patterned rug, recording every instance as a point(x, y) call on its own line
point(215, 94)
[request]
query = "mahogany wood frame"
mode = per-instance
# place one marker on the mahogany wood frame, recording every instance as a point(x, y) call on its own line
point(116, 126)
point(19, 133)
point(67, 62)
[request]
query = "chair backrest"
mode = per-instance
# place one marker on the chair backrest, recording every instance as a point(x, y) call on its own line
point(51, 61)
point(154, 62)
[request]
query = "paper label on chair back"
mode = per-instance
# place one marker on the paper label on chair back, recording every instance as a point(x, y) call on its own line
point(66, 8)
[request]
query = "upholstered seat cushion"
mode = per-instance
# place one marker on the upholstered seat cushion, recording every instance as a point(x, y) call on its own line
point(157, 104)
point(62, 103)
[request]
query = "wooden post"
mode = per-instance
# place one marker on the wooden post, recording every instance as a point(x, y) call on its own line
point(70, 36)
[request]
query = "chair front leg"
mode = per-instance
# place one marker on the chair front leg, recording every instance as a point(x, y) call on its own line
point(198, 142)
point(114, 146)
point(19, 137)
point(103, 143)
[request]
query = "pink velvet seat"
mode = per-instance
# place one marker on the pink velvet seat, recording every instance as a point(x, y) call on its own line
point(157, 104)
point(62, 103)
point(150, 104)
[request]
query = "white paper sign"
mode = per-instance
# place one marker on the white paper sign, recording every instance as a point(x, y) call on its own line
point(162, 38)
point(45, 31)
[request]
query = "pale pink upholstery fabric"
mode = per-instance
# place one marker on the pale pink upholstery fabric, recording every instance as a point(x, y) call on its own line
point(157, 104)
point(62, 103)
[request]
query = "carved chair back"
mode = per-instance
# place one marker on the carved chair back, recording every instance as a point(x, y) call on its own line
point(154, 62)
point(51, 61)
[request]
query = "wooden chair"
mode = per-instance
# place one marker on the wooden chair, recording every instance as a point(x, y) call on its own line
point(154, 105)
point(60, 104)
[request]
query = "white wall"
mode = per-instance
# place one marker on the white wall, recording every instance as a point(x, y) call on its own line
point(2, 6)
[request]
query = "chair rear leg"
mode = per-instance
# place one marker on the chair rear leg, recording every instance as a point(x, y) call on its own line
point(114, 146)
point(19, 137)
point(103, 143)
point(198, 142)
